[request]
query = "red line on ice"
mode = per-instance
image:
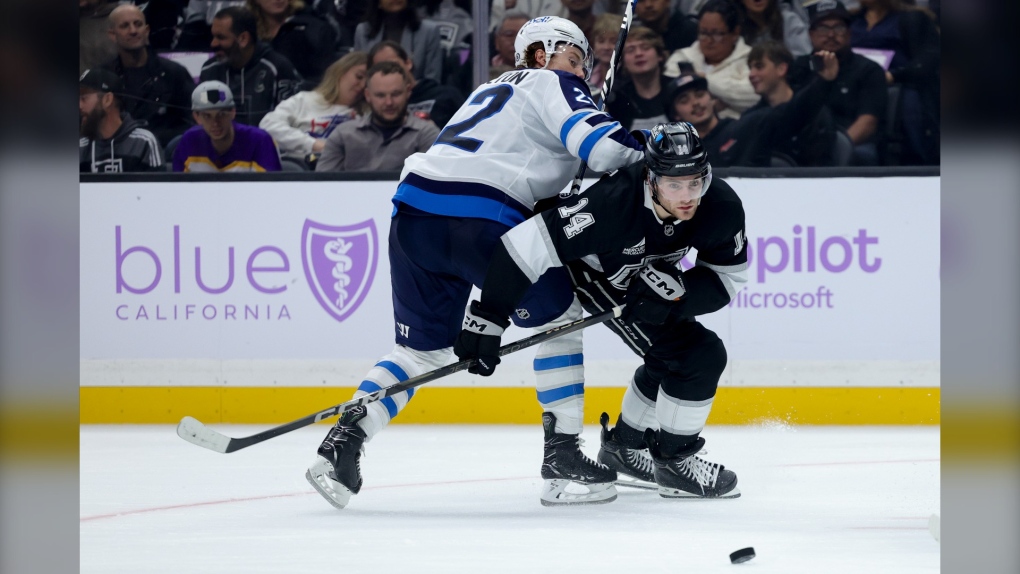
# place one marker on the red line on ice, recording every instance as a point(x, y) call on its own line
point(287, 495)
point(888, 528)
point(864, 462)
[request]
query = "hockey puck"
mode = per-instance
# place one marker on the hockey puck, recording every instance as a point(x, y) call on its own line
point(742, 555)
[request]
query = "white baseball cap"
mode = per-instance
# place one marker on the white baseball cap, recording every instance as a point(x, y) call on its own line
point(212, 95)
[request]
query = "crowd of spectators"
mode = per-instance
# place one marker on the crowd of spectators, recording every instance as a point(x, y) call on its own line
point(356, 85)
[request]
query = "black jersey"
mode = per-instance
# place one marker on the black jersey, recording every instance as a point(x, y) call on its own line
point(612, 230)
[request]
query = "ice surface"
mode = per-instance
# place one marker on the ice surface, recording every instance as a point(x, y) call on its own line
point(465, 499)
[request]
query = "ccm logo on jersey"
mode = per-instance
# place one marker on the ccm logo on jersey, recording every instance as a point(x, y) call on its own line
point(666, 286)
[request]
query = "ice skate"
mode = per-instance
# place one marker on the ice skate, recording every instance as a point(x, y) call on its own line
point(570, 476)
point(633, 466)
point(336, 472)
point(686, 475)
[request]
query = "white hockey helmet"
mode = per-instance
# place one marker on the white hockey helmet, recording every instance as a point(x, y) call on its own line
point(550, 31)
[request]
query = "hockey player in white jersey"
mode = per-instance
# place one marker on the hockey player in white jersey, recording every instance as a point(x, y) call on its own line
point(515, 141)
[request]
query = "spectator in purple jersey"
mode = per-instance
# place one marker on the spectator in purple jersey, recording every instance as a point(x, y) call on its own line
point(218, 143)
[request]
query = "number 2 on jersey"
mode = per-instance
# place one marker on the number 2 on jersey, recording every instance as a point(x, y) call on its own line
point(578, 221)
point(451, 135)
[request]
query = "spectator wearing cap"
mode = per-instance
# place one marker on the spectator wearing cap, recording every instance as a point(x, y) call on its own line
point(156, 91)
point(795, 124)
point(296, 32)
point(429, 99)
point(301, 124)
point(218, 143)
point(910, 33)
point(720, 56)
point(859, 95)
point(691, 102)
point(382, 139)
point(677, 30)
point(111, 140)
point(398, 21)
point(641, 101)
point(259, 77)
point(775, 20)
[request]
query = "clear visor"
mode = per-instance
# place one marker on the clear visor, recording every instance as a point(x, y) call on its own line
point(570, 51)
point(681, 189)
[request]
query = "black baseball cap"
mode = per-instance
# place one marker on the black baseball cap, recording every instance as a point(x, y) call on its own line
point(684, 83)
point(825, 9)
point(100, 80)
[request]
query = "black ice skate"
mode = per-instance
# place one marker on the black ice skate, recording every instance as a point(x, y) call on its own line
point(565, 465)
point(685, 475)
point(633, 466)
point(336, 472)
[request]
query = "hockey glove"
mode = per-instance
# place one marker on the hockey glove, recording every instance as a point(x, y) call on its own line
point(479, 339)
point(652, 293)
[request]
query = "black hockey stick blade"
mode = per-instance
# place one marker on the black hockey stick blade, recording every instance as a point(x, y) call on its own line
point(193, 431)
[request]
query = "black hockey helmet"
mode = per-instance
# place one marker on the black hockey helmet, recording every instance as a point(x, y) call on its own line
point(675, 150)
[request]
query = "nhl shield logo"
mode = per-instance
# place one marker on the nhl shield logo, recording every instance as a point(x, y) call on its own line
point(339, 264)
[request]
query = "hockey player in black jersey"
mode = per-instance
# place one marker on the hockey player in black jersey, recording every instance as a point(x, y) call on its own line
point(622, 241)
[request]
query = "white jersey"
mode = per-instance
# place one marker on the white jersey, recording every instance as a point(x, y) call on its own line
point(515, 141)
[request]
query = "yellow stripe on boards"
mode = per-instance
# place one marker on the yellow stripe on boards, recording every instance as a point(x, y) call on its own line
point(501, 405)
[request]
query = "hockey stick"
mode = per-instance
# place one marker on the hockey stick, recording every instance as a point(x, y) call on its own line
point(193, 431)
point(607, 83)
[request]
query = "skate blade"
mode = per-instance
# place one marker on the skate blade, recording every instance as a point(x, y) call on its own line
point(554, 493)
point(318, 476)
point(677, 494)
point(631, 482)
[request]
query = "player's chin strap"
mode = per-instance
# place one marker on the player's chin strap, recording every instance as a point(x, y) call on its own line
point(193, 431)
point(607, 83)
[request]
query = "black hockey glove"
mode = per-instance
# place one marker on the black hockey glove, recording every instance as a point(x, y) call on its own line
point(652, 294)
point(479, 339)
